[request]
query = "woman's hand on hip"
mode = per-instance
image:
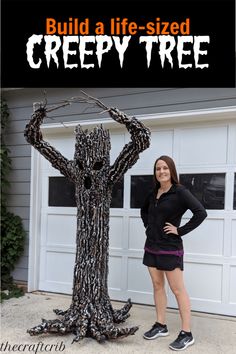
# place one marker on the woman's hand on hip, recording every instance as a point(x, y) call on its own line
point(170, 229)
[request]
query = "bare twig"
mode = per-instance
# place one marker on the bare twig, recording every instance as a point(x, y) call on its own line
point(86, 98)
point(90, 100)
point(53, 108)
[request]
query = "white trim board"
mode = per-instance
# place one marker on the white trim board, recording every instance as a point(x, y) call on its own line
point(190, 116)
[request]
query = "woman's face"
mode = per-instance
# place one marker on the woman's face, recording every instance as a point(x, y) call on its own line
point(162, 172)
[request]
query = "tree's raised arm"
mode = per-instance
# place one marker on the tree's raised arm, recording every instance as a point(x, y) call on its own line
point(140, 141)
point(34, 137)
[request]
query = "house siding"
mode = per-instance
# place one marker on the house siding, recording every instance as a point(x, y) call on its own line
point(134, 101)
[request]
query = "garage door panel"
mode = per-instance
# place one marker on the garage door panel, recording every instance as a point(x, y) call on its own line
point(66, 146)
point(207, 273)
point(117, 144)
point(208, 238)
point(138, 276)
point(46, 165)
point(61, 230)
point(115, 273)
point(116, 232)
point(232, 292)
point(208, 145)
point(136, 234)
point(233, 239)
point(161, 144)
point(59, 273)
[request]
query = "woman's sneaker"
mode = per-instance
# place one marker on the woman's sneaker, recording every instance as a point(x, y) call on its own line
point(157, 330)
point(183, 341)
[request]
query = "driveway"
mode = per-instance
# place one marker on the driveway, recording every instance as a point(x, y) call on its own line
point(213, 334)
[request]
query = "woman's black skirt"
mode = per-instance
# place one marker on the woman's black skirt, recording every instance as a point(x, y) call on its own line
point(163, 261)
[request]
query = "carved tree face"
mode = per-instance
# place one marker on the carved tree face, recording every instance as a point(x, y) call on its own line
point(92, 157)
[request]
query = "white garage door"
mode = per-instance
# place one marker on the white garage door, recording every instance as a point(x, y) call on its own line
point(205, 155)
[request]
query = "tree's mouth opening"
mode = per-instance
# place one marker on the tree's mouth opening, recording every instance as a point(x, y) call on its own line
point(87, 182)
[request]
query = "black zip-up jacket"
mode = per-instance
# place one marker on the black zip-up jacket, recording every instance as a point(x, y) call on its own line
point(170, 207)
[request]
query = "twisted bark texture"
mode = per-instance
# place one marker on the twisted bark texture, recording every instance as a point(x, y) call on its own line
point(91, 313)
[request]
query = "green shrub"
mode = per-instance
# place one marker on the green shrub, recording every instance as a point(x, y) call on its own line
point(12, 245)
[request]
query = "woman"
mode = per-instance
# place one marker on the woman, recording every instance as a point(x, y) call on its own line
point(161, 215)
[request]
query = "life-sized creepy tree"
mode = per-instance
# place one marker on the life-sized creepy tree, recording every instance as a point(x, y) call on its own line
point(91, 313)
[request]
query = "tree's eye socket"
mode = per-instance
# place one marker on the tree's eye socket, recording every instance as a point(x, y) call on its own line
point(98, 165)
point(80, 164)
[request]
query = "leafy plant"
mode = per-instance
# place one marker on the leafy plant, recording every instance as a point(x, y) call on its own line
point(4, 154)
point(12, 231)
